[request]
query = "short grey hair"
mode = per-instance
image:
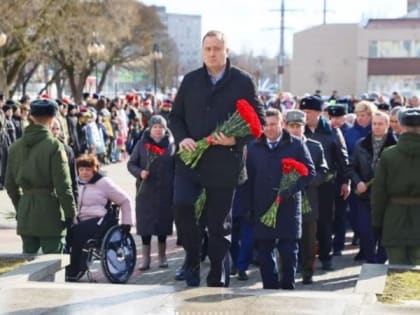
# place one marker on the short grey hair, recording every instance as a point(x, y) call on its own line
point(213, 33)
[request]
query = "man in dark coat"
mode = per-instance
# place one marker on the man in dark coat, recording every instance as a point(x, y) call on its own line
point(205, 99)
point(365, 156)
point(396, 193)
point(264, 167)
point(295, 125)
point(332, 140)
point(337, 114)
point(38, 182)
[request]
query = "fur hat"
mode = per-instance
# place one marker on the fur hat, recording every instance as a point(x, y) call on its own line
point(312, 102)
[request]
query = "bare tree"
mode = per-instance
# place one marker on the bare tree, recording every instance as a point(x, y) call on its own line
point(26, 23)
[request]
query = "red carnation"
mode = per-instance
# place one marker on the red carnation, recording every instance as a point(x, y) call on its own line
point(152, 153)
point(243, 122)
point(292, 171)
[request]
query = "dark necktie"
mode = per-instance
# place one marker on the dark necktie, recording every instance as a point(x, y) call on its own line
point(272, 145)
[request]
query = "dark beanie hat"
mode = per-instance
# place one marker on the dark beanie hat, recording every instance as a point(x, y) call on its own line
point(157, 119)
point(70, 107)
point(312, 102)
point(43, 107)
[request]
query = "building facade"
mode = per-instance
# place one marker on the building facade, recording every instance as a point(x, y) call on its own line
point(185, 30)
point(381, 56)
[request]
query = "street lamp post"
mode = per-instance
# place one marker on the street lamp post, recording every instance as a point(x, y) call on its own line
point(95, 49)
point(156, 56)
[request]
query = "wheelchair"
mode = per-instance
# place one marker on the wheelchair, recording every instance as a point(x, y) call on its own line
point(113, 247)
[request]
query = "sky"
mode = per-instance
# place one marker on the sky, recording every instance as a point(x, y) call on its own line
point(254, 25)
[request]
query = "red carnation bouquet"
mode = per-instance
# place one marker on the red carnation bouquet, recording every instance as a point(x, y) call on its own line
point(292, 171)
point(243, 122)
point(153, 152)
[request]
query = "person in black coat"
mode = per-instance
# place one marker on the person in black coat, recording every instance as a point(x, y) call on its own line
point(72, 123)
point(56, 130)
point(335, 150)
point(365, 156)
point(295, 125)
point(4, 148)
point(154, 183)
point(264, 167)
point(337, 115)
point(10, 126)
point(205, 99)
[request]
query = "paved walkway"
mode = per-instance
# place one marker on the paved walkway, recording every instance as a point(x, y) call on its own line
point(156, 292)
point(343, 279)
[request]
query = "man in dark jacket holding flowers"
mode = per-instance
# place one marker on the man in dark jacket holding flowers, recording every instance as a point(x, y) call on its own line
point(206, 98)
point(265, 167)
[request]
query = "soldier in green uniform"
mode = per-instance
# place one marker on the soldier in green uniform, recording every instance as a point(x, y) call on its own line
point(396, 193)
point(38, 182)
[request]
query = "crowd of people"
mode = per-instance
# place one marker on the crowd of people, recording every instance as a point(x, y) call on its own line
point(358, 156)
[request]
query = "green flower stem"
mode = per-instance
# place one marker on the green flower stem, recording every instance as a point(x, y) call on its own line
point(199, 205)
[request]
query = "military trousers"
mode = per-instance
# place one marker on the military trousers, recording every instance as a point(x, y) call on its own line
point(48, 245)
point(403, 255)
point(325, 220)
point(307, 248)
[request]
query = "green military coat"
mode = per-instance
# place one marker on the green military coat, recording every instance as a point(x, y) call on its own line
point(38, 182)
point(398, 176)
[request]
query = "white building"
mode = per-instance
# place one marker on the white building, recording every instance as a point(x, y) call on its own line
point(185, 30)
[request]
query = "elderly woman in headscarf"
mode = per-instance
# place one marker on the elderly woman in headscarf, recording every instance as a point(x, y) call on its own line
point(152, 164)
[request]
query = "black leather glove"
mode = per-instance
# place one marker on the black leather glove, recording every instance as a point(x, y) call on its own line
point(377, 232)
point(285, 195)
point(126, 228)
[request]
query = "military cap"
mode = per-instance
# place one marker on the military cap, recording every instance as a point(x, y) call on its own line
point(43, 107)
point(157, 119)
point(312, 102)
point(337, 110)
point(295, 116)
point(383, 106)
point(409, 117)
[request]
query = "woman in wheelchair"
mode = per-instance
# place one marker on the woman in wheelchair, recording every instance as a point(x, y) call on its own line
point(95, 193)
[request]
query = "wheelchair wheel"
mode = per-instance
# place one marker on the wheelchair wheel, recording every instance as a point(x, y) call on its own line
point(118, 255)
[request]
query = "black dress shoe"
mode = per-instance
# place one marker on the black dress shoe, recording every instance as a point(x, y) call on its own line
point(338, 253)
point(233, 271)
point(355, 241)
point(327, 266)
point(359, 256)
point(180, 274)
point(307, 280)
point(192, 277)
point(242, 276)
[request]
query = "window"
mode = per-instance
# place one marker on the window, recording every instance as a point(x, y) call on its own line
point(373, 49)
